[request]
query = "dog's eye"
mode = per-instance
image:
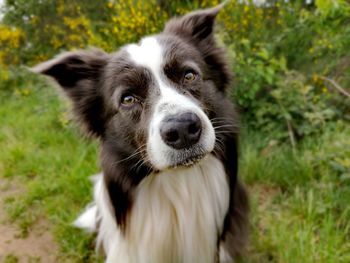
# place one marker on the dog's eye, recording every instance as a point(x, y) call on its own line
point(128, 100)
point(189, 76)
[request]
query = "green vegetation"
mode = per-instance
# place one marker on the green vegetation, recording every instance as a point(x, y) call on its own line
point(11, 259)
point(46, 154)
point(300, 198)
point(292, 66)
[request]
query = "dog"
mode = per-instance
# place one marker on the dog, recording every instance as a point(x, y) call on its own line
point(168, 191)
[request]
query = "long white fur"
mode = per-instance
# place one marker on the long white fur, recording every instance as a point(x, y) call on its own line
point(87, 220)
point(176, 216)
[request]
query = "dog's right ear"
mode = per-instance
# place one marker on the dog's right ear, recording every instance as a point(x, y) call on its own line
point(79, 75)
point(71, 67)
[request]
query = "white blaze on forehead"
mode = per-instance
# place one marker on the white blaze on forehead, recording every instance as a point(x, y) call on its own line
point(148, 53)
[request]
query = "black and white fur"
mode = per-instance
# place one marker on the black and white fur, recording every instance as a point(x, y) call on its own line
point(169, 190)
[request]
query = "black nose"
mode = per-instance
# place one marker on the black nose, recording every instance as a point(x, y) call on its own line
point(181, 131)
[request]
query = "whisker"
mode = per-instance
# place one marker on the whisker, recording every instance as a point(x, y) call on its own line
point(223, 123)
point(138, 151)
point(222, 119)
point(220, 143)
point(140, 164)
point(225, 126)
point(219, 149)
point(223, 132)
point(137, 164)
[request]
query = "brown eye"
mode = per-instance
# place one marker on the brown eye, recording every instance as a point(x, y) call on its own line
point(128, 100)
point(189, 77)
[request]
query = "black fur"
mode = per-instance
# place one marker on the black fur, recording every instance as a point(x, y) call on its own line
point(96, 81)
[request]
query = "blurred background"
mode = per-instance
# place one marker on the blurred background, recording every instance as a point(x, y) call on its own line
point(291, 61)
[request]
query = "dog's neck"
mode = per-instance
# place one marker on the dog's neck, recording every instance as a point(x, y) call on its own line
point(177, 216)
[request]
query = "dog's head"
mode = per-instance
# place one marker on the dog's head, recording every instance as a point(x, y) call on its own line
point(154, 98)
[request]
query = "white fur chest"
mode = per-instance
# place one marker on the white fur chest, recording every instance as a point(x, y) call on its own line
point(176, 217)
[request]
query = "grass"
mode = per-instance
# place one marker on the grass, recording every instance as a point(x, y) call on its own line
point(52, 160)
point(300, 200)
point(300, 210)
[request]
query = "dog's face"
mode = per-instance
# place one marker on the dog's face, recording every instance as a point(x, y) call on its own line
point(154, 99)
point(161, 101)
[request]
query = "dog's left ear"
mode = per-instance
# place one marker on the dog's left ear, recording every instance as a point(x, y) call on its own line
point(196, 26)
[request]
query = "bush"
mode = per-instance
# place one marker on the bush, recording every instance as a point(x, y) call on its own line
point(286, 65)
point(11, 38)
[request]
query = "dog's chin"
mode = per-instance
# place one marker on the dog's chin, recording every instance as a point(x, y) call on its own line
point(177, 159)
point(187, 157)
point(181, 163)
point(187, 162)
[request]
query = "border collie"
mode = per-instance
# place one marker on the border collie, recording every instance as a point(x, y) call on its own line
point(168, 135)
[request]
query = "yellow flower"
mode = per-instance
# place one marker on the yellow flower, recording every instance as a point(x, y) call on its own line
point(246, 9)
point(25, 92)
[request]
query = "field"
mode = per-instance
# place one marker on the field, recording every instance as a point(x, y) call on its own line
point(299, 197)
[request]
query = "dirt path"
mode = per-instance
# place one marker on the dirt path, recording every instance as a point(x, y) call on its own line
point(38, 246)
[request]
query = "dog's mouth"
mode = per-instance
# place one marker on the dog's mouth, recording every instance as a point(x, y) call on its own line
point(188, 162)
point(187, 158)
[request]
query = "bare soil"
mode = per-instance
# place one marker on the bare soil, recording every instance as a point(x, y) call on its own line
point(37, 246)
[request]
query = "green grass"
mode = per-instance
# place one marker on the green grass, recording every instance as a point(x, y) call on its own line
point(300, 198)
point(51, 160)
